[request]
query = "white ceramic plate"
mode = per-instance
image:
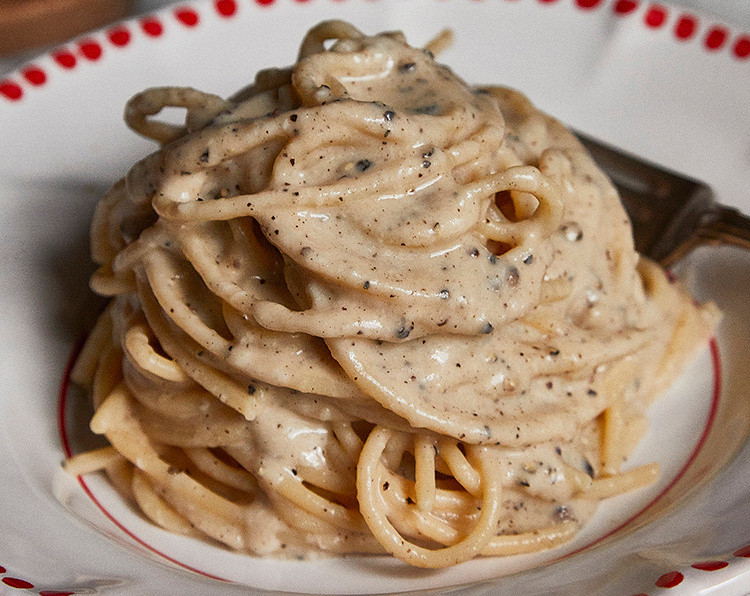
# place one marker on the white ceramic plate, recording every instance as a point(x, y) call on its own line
point(670, 86)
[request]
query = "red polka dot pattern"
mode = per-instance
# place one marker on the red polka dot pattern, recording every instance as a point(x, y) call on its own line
point(90, 49)
point(685, 27)
point(2, 569)
point(655, 16)
point(119, 36)
point(187, 16)
point(64, 58)
point(715, 38)
point(670, 580)
point(11, 90)
point(742, 47)
point(625, 6)
point(34, 75)
point(742, 552)
point(226, 8)
point(17, 583)
point(710, 565)
point(152, 27)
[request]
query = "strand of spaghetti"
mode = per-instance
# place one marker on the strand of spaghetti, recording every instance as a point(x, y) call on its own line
point(383, 182)
point(461, 469)
point(106, 282)
point(331, 478)
point(152, 101)
point(414, 522)
point(394, 450)
point(335, 514)
point(579, 480)
point(374, 511)
point(120, 474)
point(226, 390)
point(156, 509)
point(161, 268)
point(424, 472)
point(614, 385)
point(84, 370)
point(446, 501)
point(139, 351)
point(610, 423)
point(104, 248)
point(531, 542)
point(441, 42)
point(555, 290)
point(609, 486)
point(232, 476)
point(315, 38)
point(349, 439)
point(210, 513)
point(302, 520)
point(92, 461)
point(465, 152)
point(526, 179)
point(321, 533)
point(108, 374)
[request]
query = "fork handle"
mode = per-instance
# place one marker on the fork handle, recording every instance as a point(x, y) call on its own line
point(717, 224)
point(725, 225)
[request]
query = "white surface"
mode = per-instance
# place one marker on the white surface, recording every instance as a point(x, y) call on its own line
point(64, 143)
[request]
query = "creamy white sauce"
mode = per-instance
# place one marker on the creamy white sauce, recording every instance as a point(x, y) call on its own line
point(368, 238)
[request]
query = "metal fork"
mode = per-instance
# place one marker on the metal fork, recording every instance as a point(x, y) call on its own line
point(671, 214)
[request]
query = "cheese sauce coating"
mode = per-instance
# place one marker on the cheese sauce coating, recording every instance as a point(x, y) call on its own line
point(362, 306)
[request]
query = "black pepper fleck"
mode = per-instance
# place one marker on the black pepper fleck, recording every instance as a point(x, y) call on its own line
point(363, 165)
point(429, 110)
point(403, 330)
point(513, 276)
point(588, 468)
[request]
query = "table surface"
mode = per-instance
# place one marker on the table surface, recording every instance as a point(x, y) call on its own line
point(732, 11)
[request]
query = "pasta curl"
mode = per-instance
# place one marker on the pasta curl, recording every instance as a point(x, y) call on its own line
point(362, 306)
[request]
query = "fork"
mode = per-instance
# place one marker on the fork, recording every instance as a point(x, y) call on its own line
point(671, 213)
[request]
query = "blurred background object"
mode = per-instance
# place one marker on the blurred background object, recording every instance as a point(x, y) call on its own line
point(28, 27)
point(27, 24)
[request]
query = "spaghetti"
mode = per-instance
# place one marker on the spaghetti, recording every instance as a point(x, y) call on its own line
point(363, 307)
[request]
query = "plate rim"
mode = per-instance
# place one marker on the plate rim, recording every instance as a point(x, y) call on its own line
point(118, 35)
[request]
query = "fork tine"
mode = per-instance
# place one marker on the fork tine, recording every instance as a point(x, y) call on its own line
point(671, 213)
